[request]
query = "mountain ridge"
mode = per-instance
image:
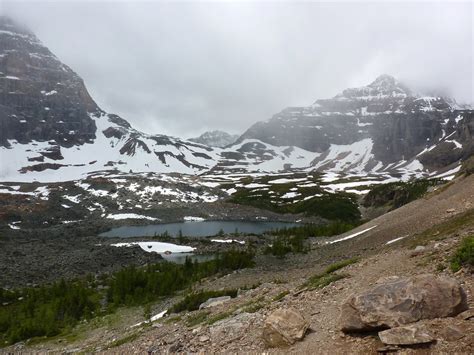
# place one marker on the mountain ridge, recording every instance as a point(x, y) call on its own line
point(215, 138)
point(53, 129)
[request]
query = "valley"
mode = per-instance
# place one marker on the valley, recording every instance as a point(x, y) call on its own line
point(114, 240)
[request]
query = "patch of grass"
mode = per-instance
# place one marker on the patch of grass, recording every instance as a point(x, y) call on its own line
point(218, 317)
point(442, 230)
point(192, 301)
point(340, 264)
point(171, 320)
point(124, 340)
point(322, 280)
point(254, 307)
point(328, 277)
point(464, 255)
point(198, 318)
point(280, 296)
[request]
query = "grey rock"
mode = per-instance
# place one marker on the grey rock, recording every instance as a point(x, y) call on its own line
point(406, 335)
point(402, 301)
point(420, 249)
point(216, 301)
point(452, 333)
point(204, 338)
point(284, 327)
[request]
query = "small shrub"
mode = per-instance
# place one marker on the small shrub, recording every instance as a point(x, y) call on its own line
point(340, 264)
point(464, 255)
point(328, 276)
point(219, 317)
point(323, 280)
point(197, 318)
point(280, 296)
point(147, 312)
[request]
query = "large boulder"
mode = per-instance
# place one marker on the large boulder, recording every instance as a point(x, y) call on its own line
point(400, 301)
point(284, 327)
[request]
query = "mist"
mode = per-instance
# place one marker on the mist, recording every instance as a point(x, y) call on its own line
point(182, 68)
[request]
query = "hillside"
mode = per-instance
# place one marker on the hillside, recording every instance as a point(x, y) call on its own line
point(384, 252)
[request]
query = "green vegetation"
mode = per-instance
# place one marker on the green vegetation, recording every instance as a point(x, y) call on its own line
point(218, 317)
point(192, 301)
point(468, 166)
point(322, 280)
point(464, 255)
point(197, 318)
point(327, 277)
point(442, 230)
point(397, 194)
point(283, 245)
point(47, 310)
point(133, 286)
point(311, 199)
point(293, 239)
point(340, 264)
point(55, 309)
point(335, 206)
point(124, 340)
point(280, 296)
point(316, 230)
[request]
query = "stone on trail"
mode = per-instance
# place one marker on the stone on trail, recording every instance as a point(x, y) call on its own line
point(402, 301)
point(284, 327)
point(216, 301)
point(406, 335)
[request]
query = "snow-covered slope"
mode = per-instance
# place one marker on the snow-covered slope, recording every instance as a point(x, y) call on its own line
point(116, 147)
point(216, 138)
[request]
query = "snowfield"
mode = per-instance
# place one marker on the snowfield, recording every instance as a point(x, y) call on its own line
point(350, 236)
point(158, 247)
point(130, 216)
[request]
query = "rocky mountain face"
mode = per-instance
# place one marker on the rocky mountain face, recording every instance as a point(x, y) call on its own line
point(219, 139)
point(384, 120)
point(40, 97)
point(52, 130)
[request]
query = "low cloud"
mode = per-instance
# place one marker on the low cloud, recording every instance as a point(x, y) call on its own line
point(181, 68)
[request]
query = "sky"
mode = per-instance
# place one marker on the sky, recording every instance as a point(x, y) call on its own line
point(182, 68)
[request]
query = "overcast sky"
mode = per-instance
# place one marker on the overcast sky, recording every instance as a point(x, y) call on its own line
point(181, 68)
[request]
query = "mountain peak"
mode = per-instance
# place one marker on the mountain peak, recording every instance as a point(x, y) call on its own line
point(7, 24)
point(384, 80)
point(215, 138)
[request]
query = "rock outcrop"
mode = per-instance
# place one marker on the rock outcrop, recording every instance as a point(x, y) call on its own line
point(384, 121)
point(40, 97)
point(402, 301)
point(284, 327)
point(406, 335)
